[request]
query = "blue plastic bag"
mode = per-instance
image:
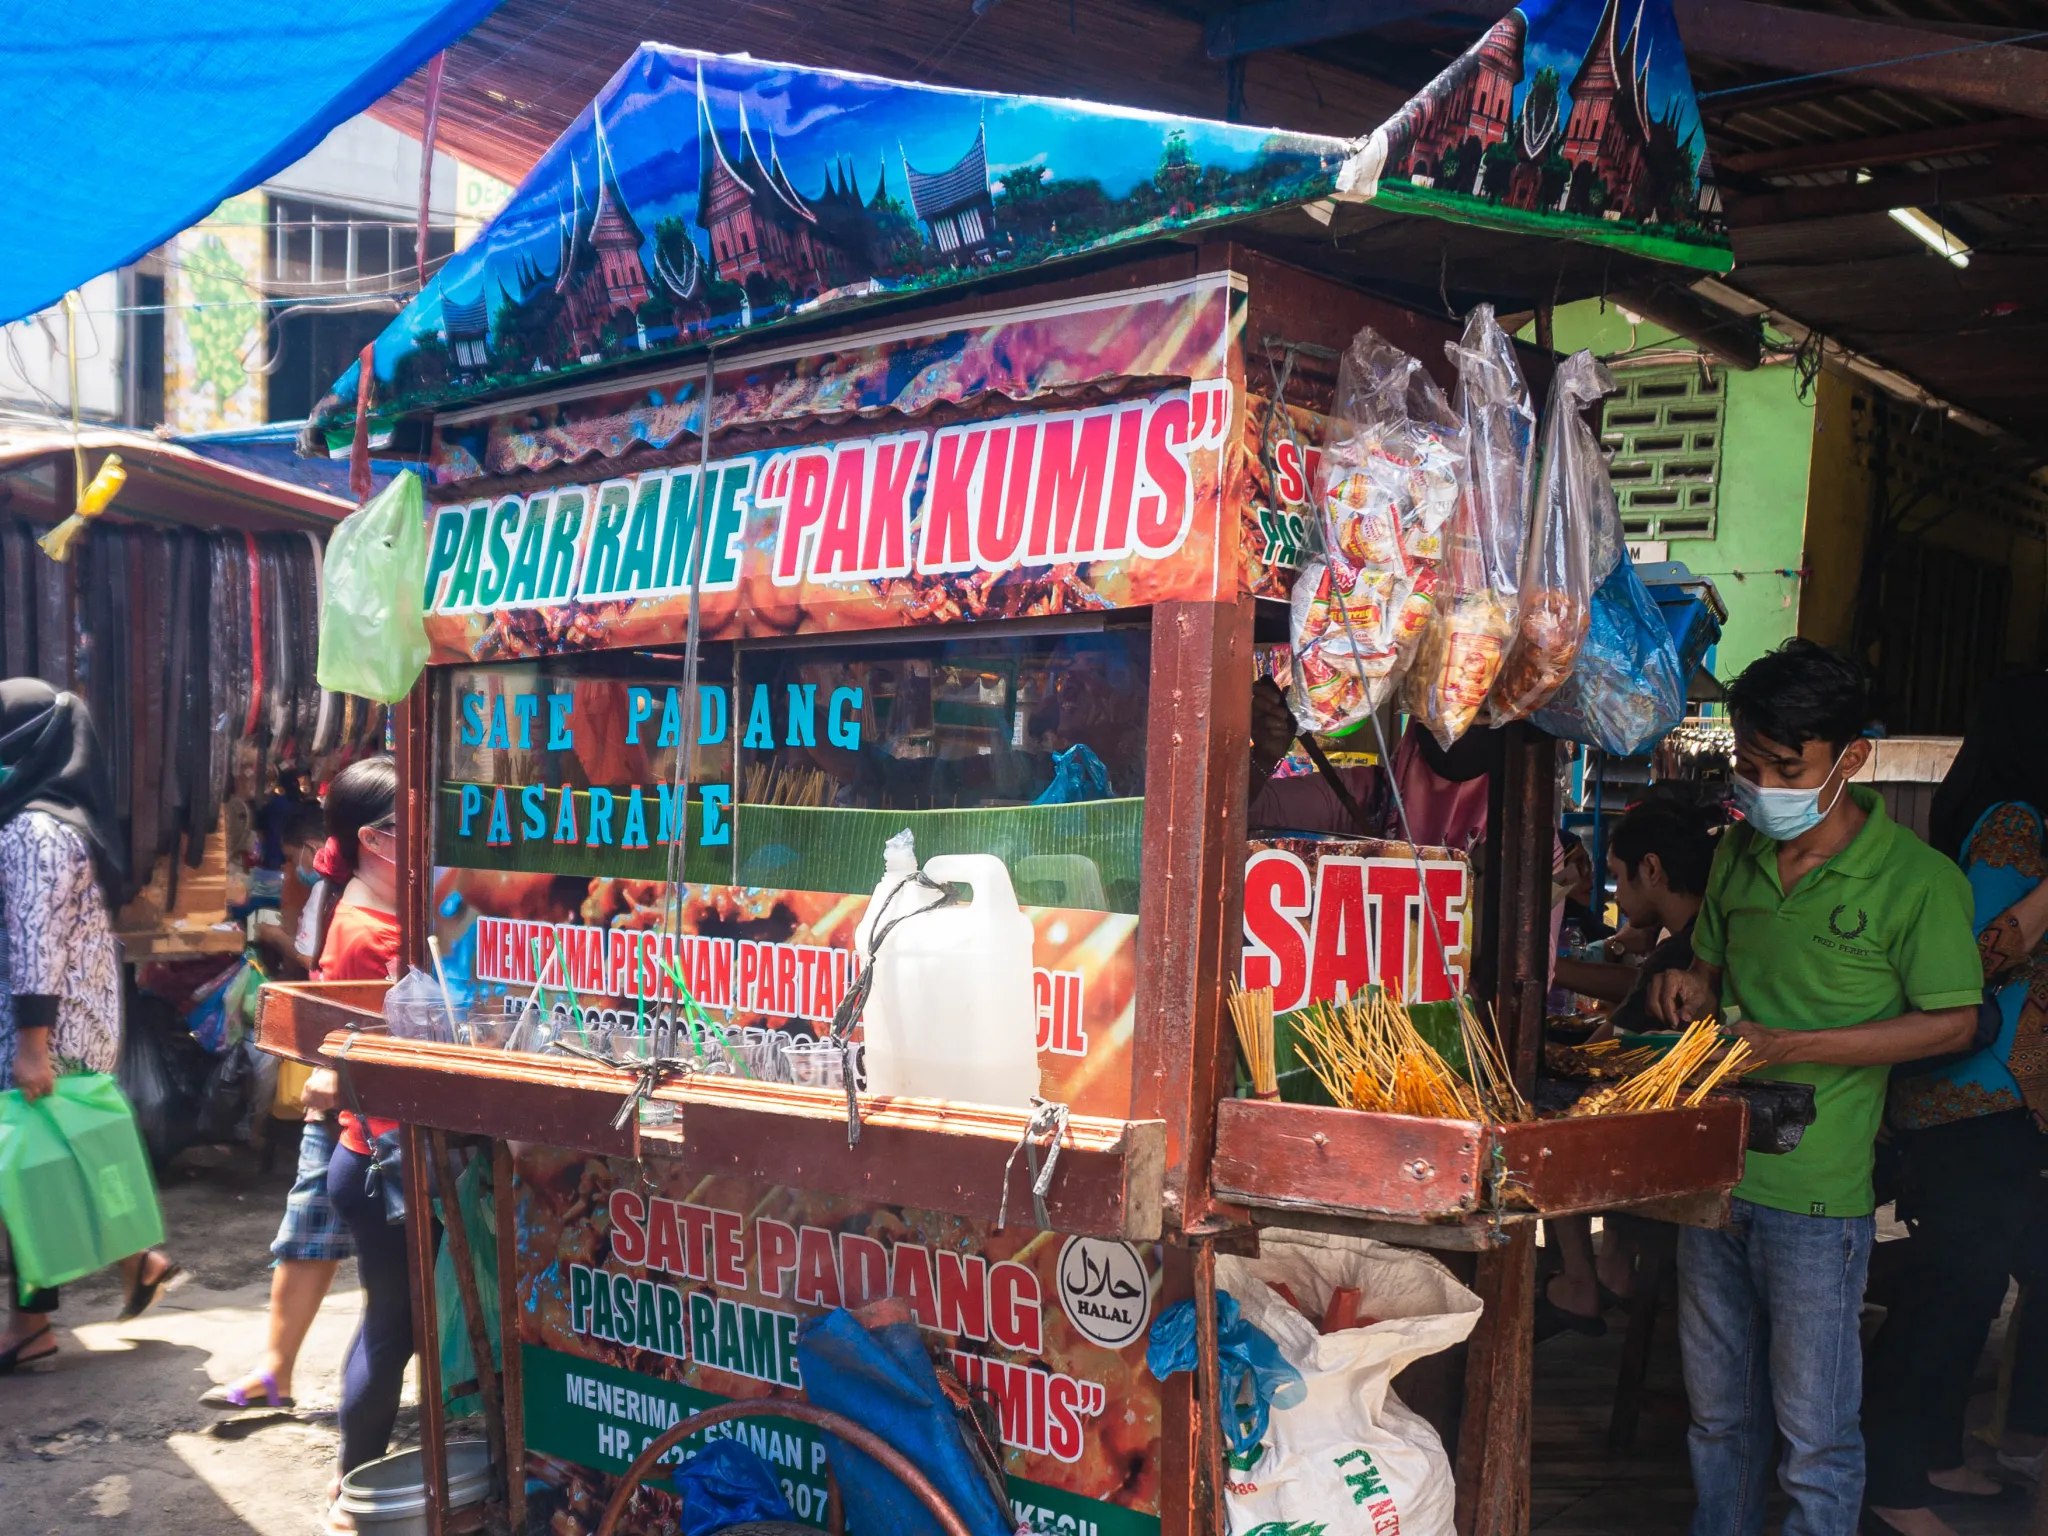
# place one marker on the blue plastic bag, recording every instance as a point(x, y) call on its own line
point(1626, 689)
point(1077, 775)
point(727, 1484)
point(1255, 1376)
point(883, 1380)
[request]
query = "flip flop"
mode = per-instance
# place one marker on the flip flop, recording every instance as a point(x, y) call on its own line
point(142, 1294)
point(11, 1361)
point(1551, 1319)
point(236, 1396)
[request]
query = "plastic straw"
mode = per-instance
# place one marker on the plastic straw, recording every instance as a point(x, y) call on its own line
point(441, 975)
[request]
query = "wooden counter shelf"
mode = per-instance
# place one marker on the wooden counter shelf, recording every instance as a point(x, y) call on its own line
point(293, 1018)
point(1402, 1169)
point(1110, 1180)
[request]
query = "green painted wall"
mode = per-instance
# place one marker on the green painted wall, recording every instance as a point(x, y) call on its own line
point(1767, 449)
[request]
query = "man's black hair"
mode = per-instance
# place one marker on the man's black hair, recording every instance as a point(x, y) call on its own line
point(1802, 692)
point(1679, 831)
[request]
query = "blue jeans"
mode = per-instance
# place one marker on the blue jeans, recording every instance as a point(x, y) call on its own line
point(1767, 1322)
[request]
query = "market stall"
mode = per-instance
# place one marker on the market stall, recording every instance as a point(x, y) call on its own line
point(752, 601)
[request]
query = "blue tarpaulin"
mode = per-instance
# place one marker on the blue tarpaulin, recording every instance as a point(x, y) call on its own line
point(130, 120)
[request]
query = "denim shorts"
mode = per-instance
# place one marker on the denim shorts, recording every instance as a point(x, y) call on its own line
point(312, 1228)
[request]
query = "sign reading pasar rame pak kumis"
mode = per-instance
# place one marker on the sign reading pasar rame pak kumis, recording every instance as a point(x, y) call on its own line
point(1104, 506)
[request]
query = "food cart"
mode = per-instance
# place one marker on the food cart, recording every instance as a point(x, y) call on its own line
point(814, 458)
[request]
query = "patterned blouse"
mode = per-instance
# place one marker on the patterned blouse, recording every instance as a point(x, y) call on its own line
point(2004, 861)
point(56, 940)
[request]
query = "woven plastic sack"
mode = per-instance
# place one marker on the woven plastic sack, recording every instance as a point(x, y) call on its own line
point(75, 1188)
point(1627, 689)
point(1479, 601)
point(1346, 1455)
point(1574, 541)
point(372, 639)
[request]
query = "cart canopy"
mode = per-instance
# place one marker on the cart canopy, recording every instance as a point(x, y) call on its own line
point(701, 198)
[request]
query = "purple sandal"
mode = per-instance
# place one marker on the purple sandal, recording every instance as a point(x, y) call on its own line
point(237, 1396)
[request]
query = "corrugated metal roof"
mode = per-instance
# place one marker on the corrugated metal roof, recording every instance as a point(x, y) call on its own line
point(1972, 336)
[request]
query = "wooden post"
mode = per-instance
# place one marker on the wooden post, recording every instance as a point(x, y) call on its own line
point(513, 1377)
point(426, 1331)
point(1209, 1392)
point(1493, 1431)
point(412, 742)
point(1191, 908)
point(456, 1235)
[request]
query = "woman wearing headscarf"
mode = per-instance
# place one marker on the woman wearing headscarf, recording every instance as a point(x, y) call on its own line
point(1967, 1128)
point(60, 968)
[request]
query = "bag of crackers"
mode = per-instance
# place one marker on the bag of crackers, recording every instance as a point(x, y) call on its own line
point(1391, 477)
point(1570, 547)
point(1478, 599)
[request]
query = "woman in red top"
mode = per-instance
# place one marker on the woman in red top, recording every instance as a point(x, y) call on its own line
point(362, 945)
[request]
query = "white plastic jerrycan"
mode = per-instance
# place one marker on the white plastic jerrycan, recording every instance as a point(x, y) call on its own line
point(951, 1014)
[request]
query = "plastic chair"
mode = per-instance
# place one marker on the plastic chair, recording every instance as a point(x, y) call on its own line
point(860, 1439)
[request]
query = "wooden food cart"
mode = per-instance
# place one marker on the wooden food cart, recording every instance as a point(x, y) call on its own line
point(715, 616)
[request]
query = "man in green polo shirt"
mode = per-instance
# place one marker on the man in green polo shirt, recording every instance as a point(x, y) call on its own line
point(1835, 943)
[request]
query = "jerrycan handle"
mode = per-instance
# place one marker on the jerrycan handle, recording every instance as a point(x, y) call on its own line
point(986, 877)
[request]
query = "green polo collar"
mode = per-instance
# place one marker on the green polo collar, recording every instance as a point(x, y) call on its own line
point(1864, 858)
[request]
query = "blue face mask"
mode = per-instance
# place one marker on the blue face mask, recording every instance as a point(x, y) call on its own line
point(1783, 814)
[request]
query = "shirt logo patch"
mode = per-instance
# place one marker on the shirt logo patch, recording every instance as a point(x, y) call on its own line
point(1818, 1208)
point(1835, 923)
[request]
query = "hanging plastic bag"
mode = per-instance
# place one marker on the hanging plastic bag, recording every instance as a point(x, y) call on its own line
point(1391, 475)
point(1348, 1455)
point(1254, 1378)
point(473, 1194)
point(372, 640)
point(75, 1188)
point(1478, 603)
point(1574, 541)
point(1628, 688)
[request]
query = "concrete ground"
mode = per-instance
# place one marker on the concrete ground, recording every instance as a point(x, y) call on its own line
point(114, 1439)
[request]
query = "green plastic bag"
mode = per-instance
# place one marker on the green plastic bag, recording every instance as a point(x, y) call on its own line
point(474, 1195)
point(75, 1188)
point(372, 641)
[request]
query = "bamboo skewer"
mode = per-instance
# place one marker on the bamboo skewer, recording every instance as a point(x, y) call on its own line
point(1252, 1012)
point(777, 784)
point(1663, 1084)
point(1369, 1055)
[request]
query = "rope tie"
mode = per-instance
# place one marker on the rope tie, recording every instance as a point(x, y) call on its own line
point(647, 1075)
point(854, 1004)
point(1049, 1119)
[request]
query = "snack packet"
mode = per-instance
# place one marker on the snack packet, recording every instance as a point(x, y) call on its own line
point(1570, 548)
point(1477, 608)
point(1391, 477)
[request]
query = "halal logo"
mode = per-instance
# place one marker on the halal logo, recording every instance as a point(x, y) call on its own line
point(1835, 923)
point(1104, 1290)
